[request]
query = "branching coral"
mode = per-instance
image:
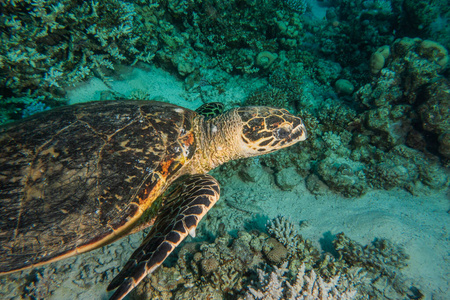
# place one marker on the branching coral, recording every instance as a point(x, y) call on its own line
point(381, 260)
point(296, 5)
point(277, 285)
point(286, 233)
point(269, 96)
point(50, 44)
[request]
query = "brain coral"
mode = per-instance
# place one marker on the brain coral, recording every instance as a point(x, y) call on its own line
point(275, 251)
point(434, 51)
point(209, 265)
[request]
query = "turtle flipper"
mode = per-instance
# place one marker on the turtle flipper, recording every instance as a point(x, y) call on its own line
point(179, 216)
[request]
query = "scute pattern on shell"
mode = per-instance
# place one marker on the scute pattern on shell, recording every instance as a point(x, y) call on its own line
point(86, 161)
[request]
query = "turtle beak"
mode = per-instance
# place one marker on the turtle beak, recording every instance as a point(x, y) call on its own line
point(299, 133)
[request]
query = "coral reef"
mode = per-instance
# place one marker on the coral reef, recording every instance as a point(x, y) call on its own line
point(50, 45)
point(420, 14)
point(265, 59)
point(385, 142)
point(381, 261)
point(43, 284)
point(434, 114)
point(16, 108)
point(246, 265)
point(253, 265)
point(269, 96)
point(57, 43)
point(408, 91)
point(305, 286)
point(85, 276)
point(360, 27)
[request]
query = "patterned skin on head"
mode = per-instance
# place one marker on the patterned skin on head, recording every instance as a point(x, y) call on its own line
point(267, 129)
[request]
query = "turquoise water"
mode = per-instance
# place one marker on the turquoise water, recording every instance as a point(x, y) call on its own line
point(370, 81)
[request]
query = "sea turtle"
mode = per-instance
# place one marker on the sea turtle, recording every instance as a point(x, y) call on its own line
point(82, 176)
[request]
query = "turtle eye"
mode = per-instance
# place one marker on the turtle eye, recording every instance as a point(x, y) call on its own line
point(282, 133)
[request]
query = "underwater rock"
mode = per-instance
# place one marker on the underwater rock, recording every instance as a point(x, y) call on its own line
point(315, 185)
point(409, 169)
point(392, 125)
point(389, 175)
point(434, 51)
point(378, 59)
point(265, 58)
point(252, 173)
point(343, 86)
point(376, 62)
point(434, 113)
point(287, 179)
point(343, 175)
point(410, 64)
point(444, 144)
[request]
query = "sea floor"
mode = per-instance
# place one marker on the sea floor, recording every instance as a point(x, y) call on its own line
point(420, 224)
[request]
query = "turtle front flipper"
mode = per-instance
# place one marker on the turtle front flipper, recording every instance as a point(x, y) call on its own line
point(179, 216)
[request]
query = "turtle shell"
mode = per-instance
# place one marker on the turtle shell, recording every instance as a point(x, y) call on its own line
point(79, 177)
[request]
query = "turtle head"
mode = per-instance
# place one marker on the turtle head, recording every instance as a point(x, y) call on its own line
point(245, 132)
point(267, 129)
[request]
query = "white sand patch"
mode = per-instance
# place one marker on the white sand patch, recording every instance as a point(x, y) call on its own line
point(86, 91)
point(156, 83)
